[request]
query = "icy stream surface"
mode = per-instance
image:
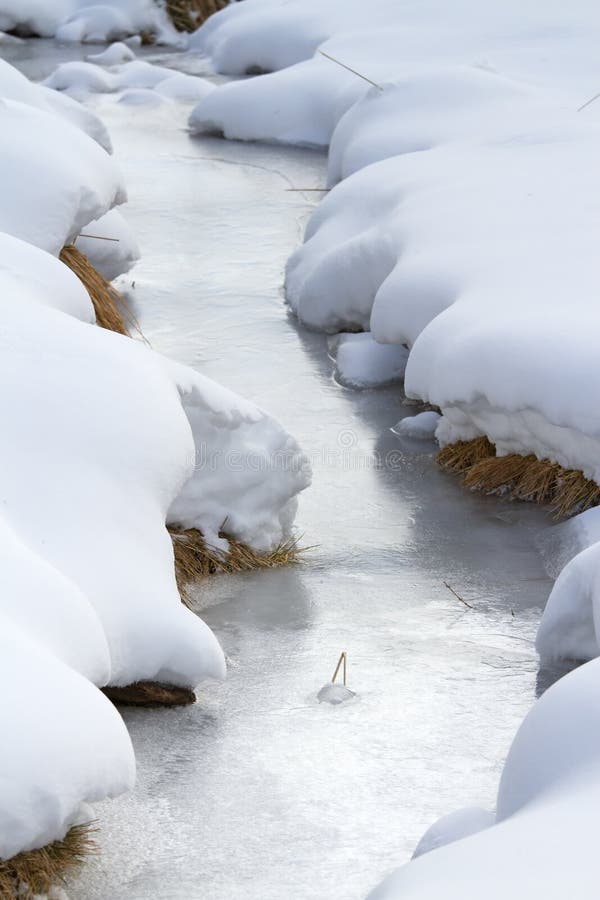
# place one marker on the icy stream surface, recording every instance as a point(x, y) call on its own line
point(259, 791)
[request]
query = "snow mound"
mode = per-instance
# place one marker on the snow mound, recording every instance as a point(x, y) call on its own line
point(361, 362)
point(420, 427)
point(247, 470)
point(113, 55)
point(87, 21)
point(543, 842)
point(569, 629)
point(80, 79)
point(117, 254)
point(14, 86)
point(76, 181)
point(454, 827)
point(63, 744)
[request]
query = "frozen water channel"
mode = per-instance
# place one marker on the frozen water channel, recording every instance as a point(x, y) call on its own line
point(258, 791)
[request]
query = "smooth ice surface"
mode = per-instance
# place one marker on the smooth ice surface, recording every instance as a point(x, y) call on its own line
point(260, 791)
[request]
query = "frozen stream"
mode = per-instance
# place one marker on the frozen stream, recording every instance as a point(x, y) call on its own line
point(258, 791)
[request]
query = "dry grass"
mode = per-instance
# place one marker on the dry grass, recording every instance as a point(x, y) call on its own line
point(566, 491)
point(150, 694)
point(187, 15)
point(459, 457)
point(195, 559)
point(111, 310)
point(36, 871)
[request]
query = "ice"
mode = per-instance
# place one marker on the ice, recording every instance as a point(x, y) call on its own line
point(543, 842)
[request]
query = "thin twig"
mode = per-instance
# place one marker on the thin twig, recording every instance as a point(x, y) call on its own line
point(587, 102)
point(341, 660)
point(458, 597)
point(96, 237)
point(354, 72)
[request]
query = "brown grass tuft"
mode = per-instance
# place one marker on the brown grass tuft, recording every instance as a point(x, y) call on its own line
point(460, 456)
point(111, 310)
point(566, 491)
point(150, 694)
point(187, 15)
point(195, 559)
point(36, 871)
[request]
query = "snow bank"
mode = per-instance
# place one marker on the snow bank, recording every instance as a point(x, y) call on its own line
point(63, 744)
point(247, 471)
point(88, 21)
point(422, 426)
point(80, 79)
point(14, 86)
point(543, 842)
point(75, 180)
point(360, 362)
point(117, 254)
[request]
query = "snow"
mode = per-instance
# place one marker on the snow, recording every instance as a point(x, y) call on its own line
point(133, 77)
point(103, 441)
point(247, 470)
point(63, 744)
point(461, 224)
point(543, 842)
point(455, 826)
point(113, 55)
point(14, 86)
point(421, 427)
point(361, 362)
point(110, 257)
point(87, 21)
point(75, 181)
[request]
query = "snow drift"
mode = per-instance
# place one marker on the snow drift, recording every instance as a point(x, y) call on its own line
point(542, 841)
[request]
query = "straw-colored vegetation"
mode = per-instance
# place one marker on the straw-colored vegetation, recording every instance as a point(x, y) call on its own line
point(566, 491)
point(195, 559)
point(187, 15)
point(34, 872)
point(151, 694)
point(111, 310)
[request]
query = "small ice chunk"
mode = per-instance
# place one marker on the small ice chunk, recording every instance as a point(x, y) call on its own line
point(422, 426)
point(335, 694)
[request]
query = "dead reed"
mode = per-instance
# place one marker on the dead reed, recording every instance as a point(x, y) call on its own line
point(34, 872)
point(188, 15)
point(517, 477)
point(110, 308)
point(195, 559)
